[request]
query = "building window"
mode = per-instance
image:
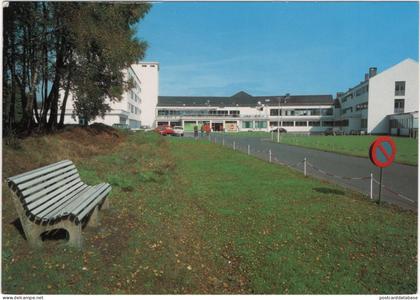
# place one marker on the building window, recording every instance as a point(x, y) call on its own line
point(327, 112)
point(348, 97)
point(260, 124)
point(82, 121)
point(273, 124)
point(315, 123)
point(348, 109)
point(327, 123)
point(288, 123)
point(398, 106)
point(363, 123)
point(274, 112)
point(361, 106)
point(301, 123)
point(399, 88)
point(247, 124)
point(362, 90)
point(234, 112)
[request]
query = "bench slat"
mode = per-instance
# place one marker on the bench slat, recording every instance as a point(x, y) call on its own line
point(89, 208)
point(65, 211)
point(50, 206)
point(51, 188)
point(94, 198)
point(53, 197)
point(38, 172)
point(83, 201)
point(37, 180)
point(47, 183)
point(54, 211)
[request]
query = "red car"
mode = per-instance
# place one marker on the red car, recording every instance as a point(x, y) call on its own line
point(165, 130)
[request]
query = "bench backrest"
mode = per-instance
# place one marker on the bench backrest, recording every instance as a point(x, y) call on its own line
point(36, 187)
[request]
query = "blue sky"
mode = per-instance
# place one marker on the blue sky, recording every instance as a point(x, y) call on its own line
point(218, 49)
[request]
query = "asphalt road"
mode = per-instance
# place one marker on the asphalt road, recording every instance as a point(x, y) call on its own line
point(400, 181)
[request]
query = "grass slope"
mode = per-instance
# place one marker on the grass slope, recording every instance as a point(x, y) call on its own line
point(192, 217)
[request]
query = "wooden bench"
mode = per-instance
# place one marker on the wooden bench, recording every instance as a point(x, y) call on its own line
point(54, 197)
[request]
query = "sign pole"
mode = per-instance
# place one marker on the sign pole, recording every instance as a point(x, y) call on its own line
point(380, 186)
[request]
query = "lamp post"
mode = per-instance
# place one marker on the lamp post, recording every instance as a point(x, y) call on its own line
point(285, 98)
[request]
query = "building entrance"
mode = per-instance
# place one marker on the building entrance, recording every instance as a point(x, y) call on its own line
point(217, 126)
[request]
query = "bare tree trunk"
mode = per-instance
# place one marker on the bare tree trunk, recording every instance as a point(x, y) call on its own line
point(63, 105)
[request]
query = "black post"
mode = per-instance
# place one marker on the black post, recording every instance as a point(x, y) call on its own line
point(380, 186)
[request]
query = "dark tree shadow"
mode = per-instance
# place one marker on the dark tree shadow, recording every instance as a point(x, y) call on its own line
point(328, 191)
point(55, 235)
point(19, 227)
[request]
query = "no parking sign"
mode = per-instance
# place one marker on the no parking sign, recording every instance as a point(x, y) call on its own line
point(382, 151)
point(382, 154)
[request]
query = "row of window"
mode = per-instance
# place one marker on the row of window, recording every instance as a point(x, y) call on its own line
point(263, 124)
point(360, 91)
point(133, 96)
point(195, 112)
point(133, 109)
point(401, 123)
point(399, 91)
point(361, 106)
point(301, 112)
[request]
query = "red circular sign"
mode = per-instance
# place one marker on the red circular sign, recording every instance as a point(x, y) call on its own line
point(382, 151)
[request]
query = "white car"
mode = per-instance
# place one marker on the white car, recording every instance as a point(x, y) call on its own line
point(179, 130)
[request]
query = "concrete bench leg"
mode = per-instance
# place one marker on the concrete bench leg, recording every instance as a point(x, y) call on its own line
point(94, 218)
point(105, 203)
point(75, 235)
point(32, 231)
point(33, 234)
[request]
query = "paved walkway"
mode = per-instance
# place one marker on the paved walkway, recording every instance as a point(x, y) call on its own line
point(397, 178)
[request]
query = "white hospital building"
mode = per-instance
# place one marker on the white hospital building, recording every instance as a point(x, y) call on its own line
point(137, 106)
point(382, 103)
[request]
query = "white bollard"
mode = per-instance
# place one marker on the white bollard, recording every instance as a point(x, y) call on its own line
point(249, 151)
point(234, 145)
point(371, 186)
point(269, 155)
point(304, 166)
point(223, 141)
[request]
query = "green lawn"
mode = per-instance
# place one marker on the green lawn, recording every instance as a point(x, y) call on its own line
point(407, 151)
point(193, 217)
point(407, 148)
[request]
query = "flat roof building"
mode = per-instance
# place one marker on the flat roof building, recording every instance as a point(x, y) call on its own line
point(244, 112)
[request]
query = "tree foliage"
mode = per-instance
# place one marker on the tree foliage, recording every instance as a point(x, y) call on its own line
point(52, 49)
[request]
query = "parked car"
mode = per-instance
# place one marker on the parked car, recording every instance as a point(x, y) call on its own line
point(179, 130)
point(165, 130)
point(333, 131)
point(279, 129)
